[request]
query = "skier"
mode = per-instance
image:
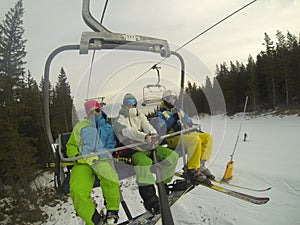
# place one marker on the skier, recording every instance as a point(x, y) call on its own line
point(198, 144)
point(245, 136)
point(92, 135)
point(133, 126)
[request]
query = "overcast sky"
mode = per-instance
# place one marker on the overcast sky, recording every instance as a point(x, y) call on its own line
point(53, 23)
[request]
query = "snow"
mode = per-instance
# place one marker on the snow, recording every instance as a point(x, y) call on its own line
point(269, 157)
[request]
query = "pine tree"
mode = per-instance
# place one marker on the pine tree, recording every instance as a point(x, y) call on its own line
point(293, 67)
point(12, 49)
point(17, 155)
point(208, 95)
point(218, 101)
point(253, 92)
point(12, 53)
point(268, 57)
point(32, 123)
point(193, 100)
point(226, 81)
point(281, 60)
point(62, 108)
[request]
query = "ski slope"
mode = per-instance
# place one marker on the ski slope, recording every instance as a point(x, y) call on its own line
point(269, 157)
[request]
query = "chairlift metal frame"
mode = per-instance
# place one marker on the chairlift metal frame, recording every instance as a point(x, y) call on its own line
point(102, 39)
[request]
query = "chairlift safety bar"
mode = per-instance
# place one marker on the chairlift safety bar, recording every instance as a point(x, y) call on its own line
point(124, 147)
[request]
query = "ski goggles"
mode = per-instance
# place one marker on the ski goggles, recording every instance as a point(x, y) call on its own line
point(94, 110)
point(130, 102)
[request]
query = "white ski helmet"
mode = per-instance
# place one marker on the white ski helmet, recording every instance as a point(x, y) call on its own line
point(169, 95)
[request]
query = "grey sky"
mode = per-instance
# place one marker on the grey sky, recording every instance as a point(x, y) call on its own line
point(53, 23)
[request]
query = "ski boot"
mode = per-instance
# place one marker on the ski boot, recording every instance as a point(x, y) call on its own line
point(97, 218)
point(197, 177)
point(208, 174)
point(206, 171)
point(151, 201)
point(111, 217)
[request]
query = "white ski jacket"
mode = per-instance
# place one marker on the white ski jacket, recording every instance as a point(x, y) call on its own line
point(134, 127)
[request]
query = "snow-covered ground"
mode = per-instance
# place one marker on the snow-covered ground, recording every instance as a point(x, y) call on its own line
point(269, 157)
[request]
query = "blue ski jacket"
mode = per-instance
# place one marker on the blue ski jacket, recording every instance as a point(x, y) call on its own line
point(170, 119)
point(91, 135)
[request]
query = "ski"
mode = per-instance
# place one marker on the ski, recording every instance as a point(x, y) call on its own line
point(246, 197)
point(179, 174)
point(143, 218)
point(241, 187)
point(147, 218)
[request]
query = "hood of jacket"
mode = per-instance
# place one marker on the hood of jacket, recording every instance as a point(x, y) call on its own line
point(124, 111)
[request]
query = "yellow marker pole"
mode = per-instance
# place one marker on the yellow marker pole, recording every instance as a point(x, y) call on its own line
point(228, 172)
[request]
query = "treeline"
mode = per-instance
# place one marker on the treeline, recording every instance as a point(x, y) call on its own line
point(271, 81)
point(24, 148)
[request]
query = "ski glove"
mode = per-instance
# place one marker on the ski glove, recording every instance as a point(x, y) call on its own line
point(89, 160)
point(177, 125)
point(152, 139)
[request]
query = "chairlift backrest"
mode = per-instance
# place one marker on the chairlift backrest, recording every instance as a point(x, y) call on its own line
point(63, 139)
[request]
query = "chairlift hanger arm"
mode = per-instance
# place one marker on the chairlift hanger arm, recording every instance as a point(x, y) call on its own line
point(89, 19)
point(102, 38)
point(155, 67)
point(47, 86)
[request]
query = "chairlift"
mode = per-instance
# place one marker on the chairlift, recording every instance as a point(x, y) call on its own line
point(152, 93)
point(103, 39)
point(100, 99)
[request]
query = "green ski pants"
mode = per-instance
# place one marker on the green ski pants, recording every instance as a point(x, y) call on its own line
point(167, 159)
point(81, 185)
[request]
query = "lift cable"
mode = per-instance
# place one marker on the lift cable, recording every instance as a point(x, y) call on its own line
point(104, 10)
point(190, 41)
point(200, 34)
point(93, 56)
point(214, 25)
